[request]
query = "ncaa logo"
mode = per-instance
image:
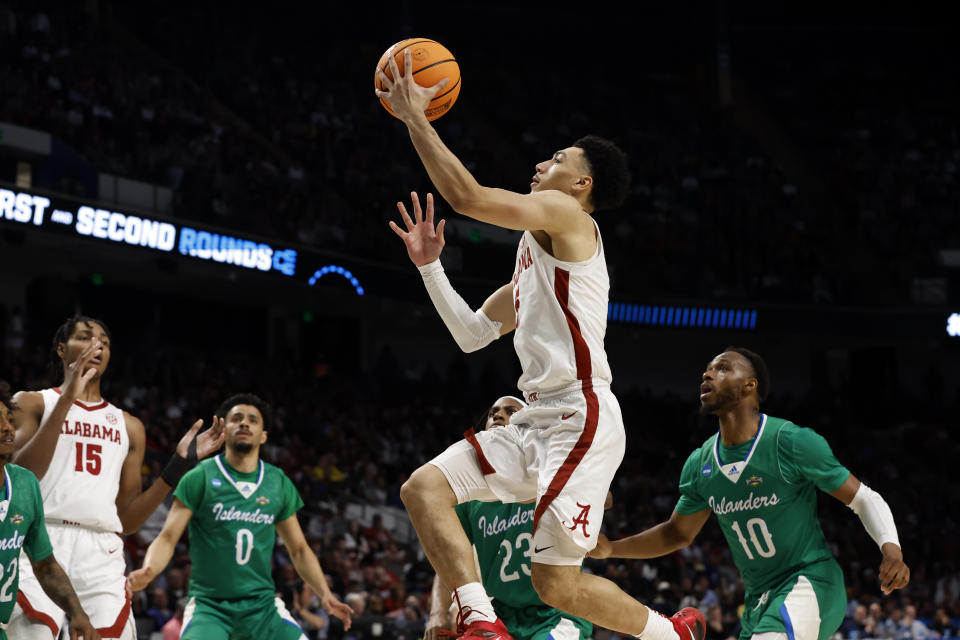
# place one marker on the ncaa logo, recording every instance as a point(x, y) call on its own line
point(216, 482)
point(112, 419)
point(707, 469)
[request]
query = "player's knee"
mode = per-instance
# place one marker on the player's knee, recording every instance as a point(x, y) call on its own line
point(553, 586)
point(425, 486)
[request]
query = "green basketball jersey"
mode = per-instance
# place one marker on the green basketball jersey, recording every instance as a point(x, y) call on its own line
point(763, 493)
point(503, 537)
point(233, 527)
point(21, 526)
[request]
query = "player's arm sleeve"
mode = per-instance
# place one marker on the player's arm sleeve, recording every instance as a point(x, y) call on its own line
point(812, 459)
point(190, 489)
point(691, 501)
point(470, 329)
point(292, 502)
point(37, 542)
point(464, 512)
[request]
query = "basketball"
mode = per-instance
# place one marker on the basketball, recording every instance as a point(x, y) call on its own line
point(432, 62)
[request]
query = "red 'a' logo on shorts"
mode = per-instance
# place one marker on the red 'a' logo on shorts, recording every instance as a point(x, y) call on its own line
point(581, 519)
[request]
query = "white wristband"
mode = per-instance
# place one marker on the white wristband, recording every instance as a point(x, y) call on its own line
point(875, 515)
point(472, 330)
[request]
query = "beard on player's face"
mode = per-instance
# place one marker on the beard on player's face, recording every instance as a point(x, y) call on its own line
point(242, 447)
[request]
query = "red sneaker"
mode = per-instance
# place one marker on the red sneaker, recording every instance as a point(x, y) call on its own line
point(689, 624)
point(495, 630)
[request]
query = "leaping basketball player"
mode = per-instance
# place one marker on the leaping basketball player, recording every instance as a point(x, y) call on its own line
point(565, 446)
point(87, 454)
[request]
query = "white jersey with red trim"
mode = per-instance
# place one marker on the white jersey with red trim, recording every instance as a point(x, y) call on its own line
point(561, 314)
point(82, 481)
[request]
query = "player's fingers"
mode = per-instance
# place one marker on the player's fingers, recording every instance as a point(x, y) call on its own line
point(88, 375)
point(192, 431)
point(384, 80)
point(437, 88)
point(417, 209)
point(429, 217)
point(394, 69)
point(440, 227)
point(397, 230)
point(407, 63)
point(406, 216)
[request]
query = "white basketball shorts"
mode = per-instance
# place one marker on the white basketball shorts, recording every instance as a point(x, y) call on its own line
point(94, 562)
point(562, 450)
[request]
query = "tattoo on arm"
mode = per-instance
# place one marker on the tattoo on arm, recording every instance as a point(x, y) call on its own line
point(57, 585)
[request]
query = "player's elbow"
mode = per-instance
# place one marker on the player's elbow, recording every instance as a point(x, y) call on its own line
point(677, 538)
point(465, 198)
point(469, 345)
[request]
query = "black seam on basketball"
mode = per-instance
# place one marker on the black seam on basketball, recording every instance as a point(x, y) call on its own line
point(447, 91)
point(386, 63)
point(433, 64)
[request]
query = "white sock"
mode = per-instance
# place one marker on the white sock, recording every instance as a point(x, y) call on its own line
point(658, 628)
point(474, 596)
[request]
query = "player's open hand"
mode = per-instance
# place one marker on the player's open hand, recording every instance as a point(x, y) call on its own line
point(407, 98)
point(139, 579)
point(208, 442)
point(336, 608)
point(79, 372)
point(424, 242)
point(894, 572)
point(81, 627)
point(603, 548)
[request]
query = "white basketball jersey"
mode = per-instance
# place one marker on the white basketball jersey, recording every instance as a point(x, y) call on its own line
point(82, 481)
point(561, 312)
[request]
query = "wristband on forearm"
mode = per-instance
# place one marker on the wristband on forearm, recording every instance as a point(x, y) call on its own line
point(178, 465)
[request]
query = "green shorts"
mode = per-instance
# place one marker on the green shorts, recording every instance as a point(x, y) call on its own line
point(808, 605)
point(542, 623)
point(247, 619)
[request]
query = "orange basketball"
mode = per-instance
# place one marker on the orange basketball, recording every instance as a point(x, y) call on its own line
point(432, 62)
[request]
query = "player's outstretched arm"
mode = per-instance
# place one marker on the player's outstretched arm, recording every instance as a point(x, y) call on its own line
point(676, 533)
point(35, 443)
point(161, 549)
point(308, 567)
point(550, 211)
point(471, 329)
point(877, 519)
point(57, 586)
point(134, 506)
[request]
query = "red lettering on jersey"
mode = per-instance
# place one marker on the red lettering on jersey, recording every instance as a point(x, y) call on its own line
point(86, 429)
point(96, 431)
point(524, 262)
point(108, 434)
point(581, 519)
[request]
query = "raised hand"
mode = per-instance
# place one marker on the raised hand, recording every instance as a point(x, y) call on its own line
point(407, 98)
point(79, 372)
point(336, 608)
point(208, 442)
point(424, 243)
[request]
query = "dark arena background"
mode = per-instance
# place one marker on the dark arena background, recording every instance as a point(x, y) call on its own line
point(796, 190)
